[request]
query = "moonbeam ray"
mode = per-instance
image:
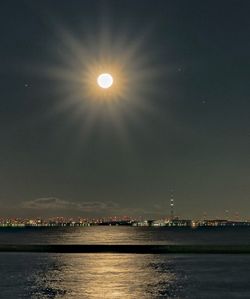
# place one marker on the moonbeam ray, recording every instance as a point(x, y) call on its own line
point(79, 62)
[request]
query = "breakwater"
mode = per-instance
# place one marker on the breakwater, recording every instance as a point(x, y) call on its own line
point(123, 248)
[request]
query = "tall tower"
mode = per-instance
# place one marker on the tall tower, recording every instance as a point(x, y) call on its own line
point(172, 206)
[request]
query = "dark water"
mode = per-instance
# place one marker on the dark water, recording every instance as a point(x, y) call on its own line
point(125, 235)
point(124, 276)
point(43, 275)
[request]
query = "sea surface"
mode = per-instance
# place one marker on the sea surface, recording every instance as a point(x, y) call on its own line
point(50, 275)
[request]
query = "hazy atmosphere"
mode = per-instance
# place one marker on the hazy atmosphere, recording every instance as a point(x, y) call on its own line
point(177, 120)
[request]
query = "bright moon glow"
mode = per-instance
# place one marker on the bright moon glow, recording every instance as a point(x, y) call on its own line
point(105, 80)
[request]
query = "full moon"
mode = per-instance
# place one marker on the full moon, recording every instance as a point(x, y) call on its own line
point(105, 80)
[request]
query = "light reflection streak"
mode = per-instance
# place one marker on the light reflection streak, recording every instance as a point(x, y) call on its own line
point(105, 276)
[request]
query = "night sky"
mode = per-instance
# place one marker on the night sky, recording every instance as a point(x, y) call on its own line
point(182, 124)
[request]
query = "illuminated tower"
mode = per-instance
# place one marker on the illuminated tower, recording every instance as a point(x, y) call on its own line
point(172, 207)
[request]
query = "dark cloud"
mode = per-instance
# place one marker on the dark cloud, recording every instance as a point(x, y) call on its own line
point(54, 203)
point(56, 206)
